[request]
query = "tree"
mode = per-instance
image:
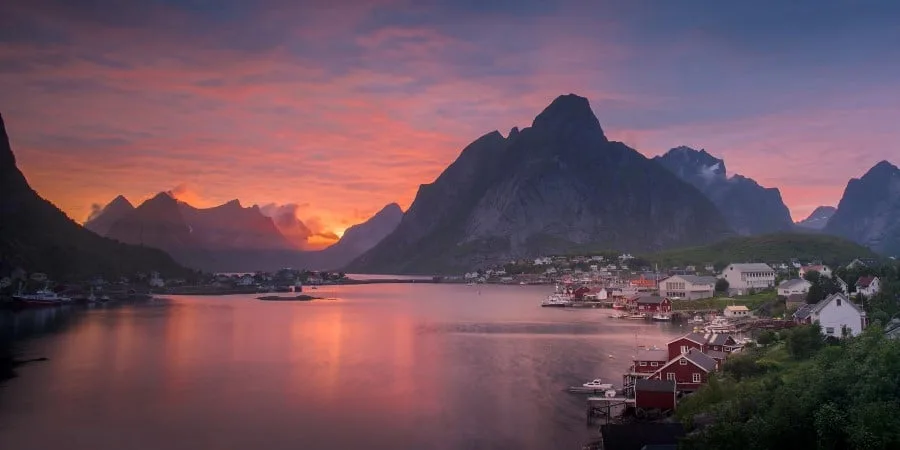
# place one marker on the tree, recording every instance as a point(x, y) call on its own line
point(803, 342)
point(722, 285)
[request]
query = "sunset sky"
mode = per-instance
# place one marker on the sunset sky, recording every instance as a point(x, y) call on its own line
point(342, 106)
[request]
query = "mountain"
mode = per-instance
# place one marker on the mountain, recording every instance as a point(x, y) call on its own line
point(818, 219)
point(359, 238)
point(116, 209)
point(227, 237)
point(748, 207)
point(159, 223)
point(557, 185)
point(232, 227)
point(869, 211)
point(768, 248)
point(38, 237)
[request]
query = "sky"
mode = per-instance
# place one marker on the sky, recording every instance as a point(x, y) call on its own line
point(341, 107)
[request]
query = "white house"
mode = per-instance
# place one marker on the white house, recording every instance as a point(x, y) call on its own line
point(836, 314)
point(868, 286)
point(743, 277)
point(156, 281)
point(542, 261)
point(823, 270)
point(736, 311)
point(843, 285)
point(689, 287)
point(796, 286)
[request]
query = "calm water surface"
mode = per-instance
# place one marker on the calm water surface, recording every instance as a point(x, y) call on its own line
point(381, 367)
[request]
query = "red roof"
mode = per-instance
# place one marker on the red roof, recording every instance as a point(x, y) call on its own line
point(864, 282)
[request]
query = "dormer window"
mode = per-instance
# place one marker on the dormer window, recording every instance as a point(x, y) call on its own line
point(839, 302)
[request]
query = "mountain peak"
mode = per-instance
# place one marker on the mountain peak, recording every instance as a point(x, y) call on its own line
point(7, 159)
point(684, 159)
point(390, 208)
point(883, 167)
point(120, 200)
point(235, 203)
point(567, 113)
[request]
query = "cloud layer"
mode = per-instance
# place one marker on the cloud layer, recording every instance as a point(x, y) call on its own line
point(348, 106)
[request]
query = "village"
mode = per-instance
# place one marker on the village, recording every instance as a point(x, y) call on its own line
point(726, 310)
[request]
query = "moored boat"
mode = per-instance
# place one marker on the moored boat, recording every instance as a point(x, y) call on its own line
point(43, 297)
point(659, 317)
point(635, 317)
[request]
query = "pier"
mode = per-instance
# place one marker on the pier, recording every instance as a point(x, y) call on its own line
point(605, 406)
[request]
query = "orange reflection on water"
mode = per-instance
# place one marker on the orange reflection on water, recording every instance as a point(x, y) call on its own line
point(320, 340)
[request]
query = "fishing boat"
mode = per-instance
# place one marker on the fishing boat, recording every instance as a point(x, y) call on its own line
point(635, 317)
point(659, 317)
point(556, 301)
point(43, 297)
point(719, 325)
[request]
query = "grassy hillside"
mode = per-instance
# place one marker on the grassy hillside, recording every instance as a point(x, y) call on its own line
point(767, 248)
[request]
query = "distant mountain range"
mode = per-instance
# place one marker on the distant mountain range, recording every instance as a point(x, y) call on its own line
point(869, 210)
point(818, 219)
point(232, 238)
point(38, 237)
point(748, 207)
point(556, 186)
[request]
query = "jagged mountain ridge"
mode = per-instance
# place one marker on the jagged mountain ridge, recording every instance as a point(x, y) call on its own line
point(38, 237)
point(749, 208)
point(360, 238)
point(554, 186)
point(869, 210)
point(818, 218)
point(110, 214)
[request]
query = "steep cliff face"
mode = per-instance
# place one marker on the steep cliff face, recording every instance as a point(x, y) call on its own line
point(818, 218)
point(557, 185)
point(869, 211)
point(118, 208)
point(38, 237)
point(748, 207)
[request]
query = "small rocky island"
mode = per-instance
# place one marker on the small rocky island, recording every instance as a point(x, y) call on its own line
point(285, 298)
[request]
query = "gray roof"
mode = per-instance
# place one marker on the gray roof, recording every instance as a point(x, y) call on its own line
point(655, 385)
point(803, 311)
point(796, 298)
point(701, 359)
point(697, 279)
point(715, 354)
point(646, 354)
point(790, 284)
point(752, 267)
point(650, 300)
point(696, 337)
point(717, 338)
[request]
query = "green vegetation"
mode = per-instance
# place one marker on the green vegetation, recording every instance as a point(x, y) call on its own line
point(752, 302)
point(767, 248)
point(801, 391)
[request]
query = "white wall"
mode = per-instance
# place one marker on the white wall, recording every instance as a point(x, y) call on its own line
point(835, 316)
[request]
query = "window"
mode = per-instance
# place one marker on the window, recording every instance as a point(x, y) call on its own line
point(684, 349)
point(654, 364)
point(695, 377)
point(643, 363)
point(839, 302)
point(829, 330)
point(682, 361)
point(670, 376)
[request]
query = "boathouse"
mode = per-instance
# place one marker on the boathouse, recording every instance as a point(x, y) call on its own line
point(649, 360)
point(651, 304)
point(689, 370)
point(655, 394)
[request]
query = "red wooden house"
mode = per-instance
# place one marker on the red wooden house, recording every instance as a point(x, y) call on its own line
point(651, 304)
point(689, 370)
point(649, 360)
point(685, 343)
point(655, 394)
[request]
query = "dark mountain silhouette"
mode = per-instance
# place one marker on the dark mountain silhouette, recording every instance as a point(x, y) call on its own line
point(38, 237)
point(555, 186)
point(748, 207)
point(818, 219)
point(110, 214)
point(233, 227)
point(359, 238)
point(869, 211)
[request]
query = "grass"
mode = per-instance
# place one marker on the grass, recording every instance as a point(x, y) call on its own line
point(719, 303)
point(779, 247)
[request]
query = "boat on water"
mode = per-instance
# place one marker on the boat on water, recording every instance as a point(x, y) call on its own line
point(618, 316)
point(556, 301)
point(658, 317)
point(43, 297)
point(598, 384)
point(696, 320)
point(635, 317)
point(719, 325)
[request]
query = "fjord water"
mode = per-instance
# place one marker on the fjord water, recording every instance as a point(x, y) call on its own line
point(385, 366)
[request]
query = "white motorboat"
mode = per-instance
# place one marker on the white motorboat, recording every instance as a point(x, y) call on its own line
point(557, 300)
point(659, 317)
point(43, 297)
point(598, 384)
point(635, 317)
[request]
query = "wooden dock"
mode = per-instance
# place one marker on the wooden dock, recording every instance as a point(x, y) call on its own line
point(606, 406)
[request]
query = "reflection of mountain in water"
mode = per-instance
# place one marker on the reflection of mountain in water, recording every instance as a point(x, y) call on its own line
point(16, 327)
